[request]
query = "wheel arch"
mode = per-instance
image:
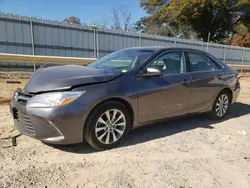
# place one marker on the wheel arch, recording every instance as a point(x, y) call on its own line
point(117, 99)
point(229, 91)
point(224, 89)
point(211, 112)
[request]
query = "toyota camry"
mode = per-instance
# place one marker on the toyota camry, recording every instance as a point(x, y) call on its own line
point(102, 102)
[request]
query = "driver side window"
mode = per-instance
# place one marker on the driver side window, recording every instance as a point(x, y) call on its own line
point(170, 63)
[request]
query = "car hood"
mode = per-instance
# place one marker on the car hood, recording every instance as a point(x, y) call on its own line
point(64, 77)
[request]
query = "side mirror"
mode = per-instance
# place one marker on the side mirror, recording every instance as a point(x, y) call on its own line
point(152, 72)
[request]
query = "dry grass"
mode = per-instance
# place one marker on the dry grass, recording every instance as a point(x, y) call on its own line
point(246, 78)
point(15, 75)
point(4, 100)
point(7, 89)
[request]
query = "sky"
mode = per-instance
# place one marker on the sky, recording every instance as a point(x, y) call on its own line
point(89, 11)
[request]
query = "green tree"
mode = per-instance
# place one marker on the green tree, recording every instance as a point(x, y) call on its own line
point(147, 25)
point(217, 17)
point(240, 40)
point(241, 36)
point(72, 20)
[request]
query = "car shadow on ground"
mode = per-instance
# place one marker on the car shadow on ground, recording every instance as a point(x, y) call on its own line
point(165, 128)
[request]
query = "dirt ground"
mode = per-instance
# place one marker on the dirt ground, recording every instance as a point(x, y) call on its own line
point(183, 153)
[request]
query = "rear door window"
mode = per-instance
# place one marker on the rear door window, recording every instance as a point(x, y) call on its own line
point(201, 62)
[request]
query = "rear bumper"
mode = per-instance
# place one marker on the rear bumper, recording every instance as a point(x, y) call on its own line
point(60, 125)
point(236, 94)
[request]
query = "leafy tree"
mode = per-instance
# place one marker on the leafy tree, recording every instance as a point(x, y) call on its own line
point(241, 36)
point(147, 25)
point(72, 20)
point(217, 17)
point(241, 29)
point(150, 26)
point(239, 40)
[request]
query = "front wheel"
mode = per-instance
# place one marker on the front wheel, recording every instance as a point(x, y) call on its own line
point(220, 106)
point(107, 125)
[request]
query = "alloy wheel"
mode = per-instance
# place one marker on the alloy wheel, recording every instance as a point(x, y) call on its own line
point(110, 126)
point(221, 105)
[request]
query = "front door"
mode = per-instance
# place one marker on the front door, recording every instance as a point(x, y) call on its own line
point(167, 95)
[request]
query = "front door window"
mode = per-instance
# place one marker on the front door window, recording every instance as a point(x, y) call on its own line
point(170, 63)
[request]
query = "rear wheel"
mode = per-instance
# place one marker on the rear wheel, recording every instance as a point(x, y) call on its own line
point(220, 106)
point(107, 125)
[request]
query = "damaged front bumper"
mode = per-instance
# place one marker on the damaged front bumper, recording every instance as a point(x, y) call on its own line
point(57, 125)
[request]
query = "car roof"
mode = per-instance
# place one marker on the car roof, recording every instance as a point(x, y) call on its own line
point(160, 49)
point(163, 48)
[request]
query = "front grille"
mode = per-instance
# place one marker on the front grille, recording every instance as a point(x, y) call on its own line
point(24, 93)
point(23, 96)
point(24, 122)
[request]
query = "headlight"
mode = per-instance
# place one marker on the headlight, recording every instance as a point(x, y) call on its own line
point(54, 99)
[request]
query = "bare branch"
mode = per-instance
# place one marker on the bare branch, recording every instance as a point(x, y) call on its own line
point(115, 22)
point(126, 15)
point(121, 18)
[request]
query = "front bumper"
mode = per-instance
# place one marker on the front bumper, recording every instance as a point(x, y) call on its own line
point(58, 125)
point(236, 94)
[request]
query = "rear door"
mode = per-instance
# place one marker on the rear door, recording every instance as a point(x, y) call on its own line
point(167, 95)
point(206, 76)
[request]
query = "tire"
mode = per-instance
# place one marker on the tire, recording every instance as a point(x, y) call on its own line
point(103, 133)
point(220, 106)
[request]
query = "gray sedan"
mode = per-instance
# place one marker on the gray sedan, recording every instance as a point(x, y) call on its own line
point(103, 101)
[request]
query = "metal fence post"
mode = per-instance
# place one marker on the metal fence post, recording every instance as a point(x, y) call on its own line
point(32, 42)
point(139, 40)
point(97, 43)
point(175, 42)
point(224, 55)
point(94, 44)
point(243, 57)
point(207, 48)
point(208, 40)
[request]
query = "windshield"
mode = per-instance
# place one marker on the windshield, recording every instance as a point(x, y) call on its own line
point(123, 60)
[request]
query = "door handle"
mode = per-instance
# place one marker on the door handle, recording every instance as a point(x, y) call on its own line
point(185, 82)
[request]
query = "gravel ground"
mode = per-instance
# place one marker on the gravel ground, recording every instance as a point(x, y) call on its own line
point(183, 153)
